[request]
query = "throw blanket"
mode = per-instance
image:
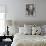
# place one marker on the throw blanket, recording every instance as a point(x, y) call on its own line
point(29, 40)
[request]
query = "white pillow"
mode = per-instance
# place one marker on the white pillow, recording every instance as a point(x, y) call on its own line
point(24, 30)
point(28, 29)
point(13, 30)
point(21, 30)
point(33, 30)
point(36, 30)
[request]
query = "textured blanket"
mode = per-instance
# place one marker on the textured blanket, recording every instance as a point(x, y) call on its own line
point(29, 40)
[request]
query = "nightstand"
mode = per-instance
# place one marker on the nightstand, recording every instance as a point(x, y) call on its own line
point(4, 40)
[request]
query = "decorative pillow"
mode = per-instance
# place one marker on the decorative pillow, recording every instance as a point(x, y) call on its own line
point(36, 30)
point(13, 30)
point(28, 28)
point(24, 30)
point(44, 29)
point(21, 30)
point(28, 31)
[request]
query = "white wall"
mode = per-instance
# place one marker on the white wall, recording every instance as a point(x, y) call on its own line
point(16, 10)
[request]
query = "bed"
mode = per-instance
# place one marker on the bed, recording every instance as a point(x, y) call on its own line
point(29, 40)
point(24, 38)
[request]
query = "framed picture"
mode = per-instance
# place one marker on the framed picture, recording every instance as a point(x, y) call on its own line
point(30, 9)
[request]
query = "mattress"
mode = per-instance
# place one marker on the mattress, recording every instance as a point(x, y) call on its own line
point(28, 40)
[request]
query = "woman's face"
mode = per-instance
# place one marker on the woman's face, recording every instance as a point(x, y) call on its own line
point(30, 7)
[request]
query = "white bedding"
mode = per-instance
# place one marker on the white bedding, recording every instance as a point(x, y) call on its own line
point(29, 40)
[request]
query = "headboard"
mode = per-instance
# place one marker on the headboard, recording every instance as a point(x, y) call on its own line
point(21, 23)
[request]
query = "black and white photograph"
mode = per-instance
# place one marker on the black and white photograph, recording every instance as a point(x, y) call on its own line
point(30, 9)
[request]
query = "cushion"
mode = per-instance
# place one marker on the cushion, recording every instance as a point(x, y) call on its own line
point(44, 29)
point(13, 30)
point(28, 31)
point(28, 28)
point(24, 30)
point(33, 30)
point(21, 30)
point(36, 30)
